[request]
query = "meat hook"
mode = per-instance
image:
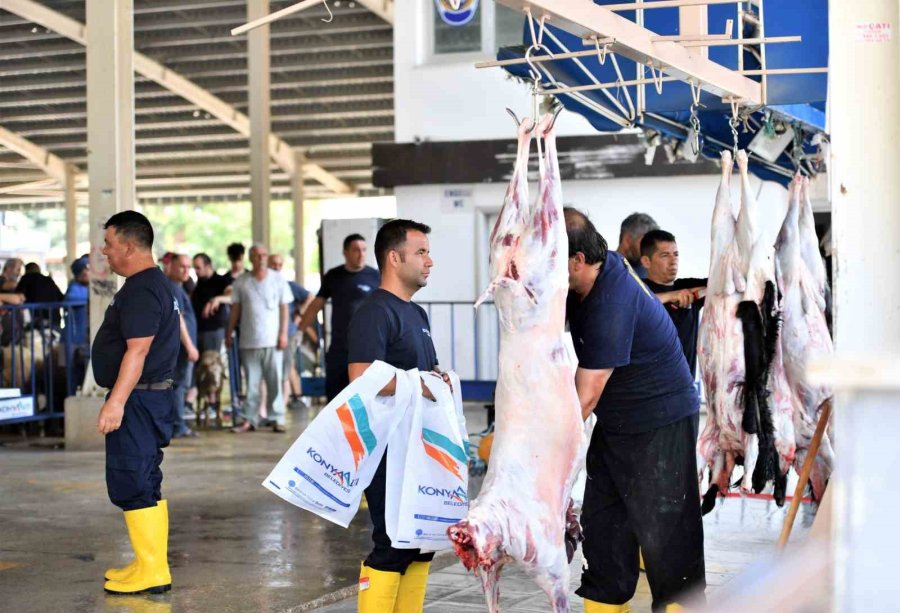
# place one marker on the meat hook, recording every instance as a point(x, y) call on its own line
point(516, 119)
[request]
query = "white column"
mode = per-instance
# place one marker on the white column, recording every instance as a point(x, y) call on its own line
point(297, 197)
point(71, 214)
point(865, 191)
point(258, 84)
point(110, 125)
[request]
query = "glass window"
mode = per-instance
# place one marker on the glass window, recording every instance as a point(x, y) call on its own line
point(457, 39)
point(508, 25)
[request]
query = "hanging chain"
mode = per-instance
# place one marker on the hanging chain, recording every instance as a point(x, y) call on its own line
point(695, 126)
point(733, 123)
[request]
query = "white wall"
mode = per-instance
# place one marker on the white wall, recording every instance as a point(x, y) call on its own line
point(447, 98)
point(681, 205)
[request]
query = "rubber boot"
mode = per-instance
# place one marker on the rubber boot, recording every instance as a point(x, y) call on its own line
point(598, 607)
point(121, 574)
point(411, 595)
point(149, 532)
point(673, 607)
point(377, 590)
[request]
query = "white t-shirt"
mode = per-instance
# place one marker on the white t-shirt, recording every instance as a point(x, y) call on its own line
point(260, 303)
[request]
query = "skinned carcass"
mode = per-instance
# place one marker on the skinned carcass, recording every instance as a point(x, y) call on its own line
point(523, 511)
point(804, 333)
point(720, 350)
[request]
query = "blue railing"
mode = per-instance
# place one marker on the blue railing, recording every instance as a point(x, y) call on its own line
point(467, 341)
point(40, 359)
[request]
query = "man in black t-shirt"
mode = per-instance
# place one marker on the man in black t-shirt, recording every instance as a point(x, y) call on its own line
point(682, 297)
point(641, 493)
point(346, 286)
point(389, 327)
point(40, 288)
point(210, 303)
point(134, 354)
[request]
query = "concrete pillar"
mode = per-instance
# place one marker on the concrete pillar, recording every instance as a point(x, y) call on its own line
point(297, 197)
point(865, 190)
point(110, 126)
point(258, 84)
point(71, 214)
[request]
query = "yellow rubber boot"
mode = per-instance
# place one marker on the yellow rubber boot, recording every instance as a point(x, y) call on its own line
point(121, 574)
point(598, 607)
point(149, 532)
point(377, 590)
point(411, 595)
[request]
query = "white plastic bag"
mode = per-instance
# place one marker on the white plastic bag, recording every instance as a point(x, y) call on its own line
point(427, 470)
point(329, 466)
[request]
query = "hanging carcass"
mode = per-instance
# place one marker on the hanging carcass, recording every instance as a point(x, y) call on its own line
point(522, 513)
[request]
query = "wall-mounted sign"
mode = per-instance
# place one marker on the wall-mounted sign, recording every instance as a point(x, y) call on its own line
point(456, 200)
point(13, 408)
point(462, 14)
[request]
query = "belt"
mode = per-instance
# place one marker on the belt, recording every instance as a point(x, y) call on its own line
point(155, 387)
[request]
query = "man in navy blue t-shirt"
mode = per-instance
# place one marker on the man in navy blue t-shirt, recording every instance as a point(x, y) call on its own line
point(134, 354)
point(389, 327)
point(642, 494)
point(346, 286)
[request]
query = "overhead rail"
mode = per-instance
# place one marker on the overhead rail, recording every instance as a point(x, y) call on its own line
point(674, 56)
point(382, 8)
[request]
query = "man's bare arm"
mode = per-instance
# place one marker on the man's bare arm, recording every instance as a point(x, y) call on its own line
point(309, 315)
point(590, 385)
point(130, 370)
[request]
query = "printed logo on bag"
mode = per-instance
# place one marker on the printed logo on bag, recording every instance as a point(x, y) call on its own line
point(355, 422)
point(452, 498)
point(445, 452)
point(342, 478)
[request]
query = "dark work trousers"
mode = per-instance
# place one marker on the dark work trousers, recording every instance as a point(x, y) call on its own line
point(336, 376)
point(134, 451)
point(384, 557)
point(642, 492)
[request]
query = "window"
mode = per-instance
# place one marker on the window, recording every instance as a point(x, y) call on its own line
point(508, 26)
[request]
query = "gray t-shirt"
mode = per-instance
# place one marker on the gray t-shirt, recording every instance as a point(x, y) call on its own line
point(260, 303)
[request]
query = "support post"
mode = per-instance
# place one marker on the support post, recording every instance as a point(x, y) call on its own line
point(865, 187)
point(298, 208)
point(71, 214)
point(694, 21)
point(258, 65)
point(110, 125)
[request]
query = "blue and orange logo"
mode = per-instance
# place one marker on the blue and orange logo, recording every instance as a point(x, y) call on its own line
point(445, 452)
point(461, 15)
point(355, 422)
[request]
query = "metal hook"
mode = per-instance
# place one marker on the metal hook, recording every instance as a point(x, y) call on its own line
point(330, 14)
point(535, 73)
point(657, 77)
point(555, 116)
point(516, 119)
point(540, 38)
point(601, 51)
point(695, 92)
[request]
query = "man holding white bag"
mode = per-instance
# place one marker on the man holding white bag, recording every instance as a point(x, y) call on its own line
point(389, 327)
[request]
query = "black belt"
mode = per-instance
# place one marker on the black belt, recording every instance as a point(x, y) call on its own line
point(155, 387)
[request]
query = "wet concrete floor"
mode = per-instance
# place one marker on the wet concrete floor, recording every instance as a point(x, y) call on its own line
point(235, 547)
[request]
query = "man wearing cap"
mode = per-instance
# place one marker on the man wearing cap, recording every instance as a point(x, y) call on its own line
point(134, 354)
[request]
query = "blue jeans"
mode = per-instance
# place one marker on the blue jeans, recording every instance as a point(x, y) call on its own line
point(183, 371)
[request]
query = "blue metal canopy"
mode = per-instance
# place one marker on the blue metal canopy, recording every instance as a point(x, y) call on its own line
point(796, 100)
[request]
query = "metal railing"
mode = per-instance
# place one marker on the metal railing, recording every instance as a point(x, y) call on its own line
point(40, 359)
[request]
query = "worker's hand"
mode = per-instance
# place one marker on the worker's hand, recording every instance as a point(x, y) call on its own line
point(14, 298)
point(680, 298)
point(229, 340)
point(444, 376)
point(207, 310)
point(192, 354)
point(110, 417)
point(282, 341)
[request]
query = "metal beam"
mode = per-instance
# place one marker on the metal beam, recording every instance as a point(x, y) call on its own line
point(258, 88)
point(297, 196)
point(37, 155)
point(279, 150)
point(586, 19)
